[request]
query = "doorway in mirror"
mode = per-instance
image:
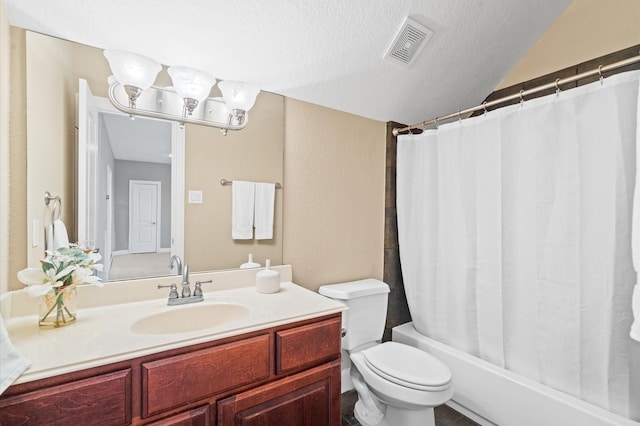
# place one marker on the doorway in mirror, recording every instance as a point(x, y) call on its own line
point(119, 159)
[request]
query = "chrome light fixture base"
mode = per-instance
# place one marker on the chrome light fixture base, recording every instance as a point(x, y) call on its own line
point(190, 105)
point(133, 92)
point(239, 114)
point(164, 103)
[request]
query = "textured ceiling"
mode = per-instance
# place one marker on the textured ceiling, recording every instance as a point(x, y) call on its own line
point(327, 52)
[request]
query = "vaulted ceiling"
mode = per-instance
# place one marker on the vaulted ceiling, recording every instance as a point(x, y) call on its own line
point(327, 52)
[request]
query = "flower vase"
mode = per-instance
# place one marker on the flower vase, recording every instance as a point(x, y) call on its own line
point(57, 308)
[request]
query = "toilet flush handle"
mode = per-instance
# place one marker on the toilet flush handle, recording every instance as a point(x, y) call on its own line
point(344, 332)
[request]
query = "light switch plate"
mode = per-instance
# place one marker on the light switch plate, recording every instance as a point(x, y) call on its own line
point(195, 197)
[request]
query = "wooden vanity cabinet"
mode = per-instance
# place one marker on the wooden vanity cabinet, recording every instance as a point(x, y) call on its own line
point(285, 375)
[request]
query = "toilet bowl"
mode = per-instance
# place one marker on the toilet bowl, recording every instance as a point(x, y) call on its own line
point(397, 384)
point(405, 384)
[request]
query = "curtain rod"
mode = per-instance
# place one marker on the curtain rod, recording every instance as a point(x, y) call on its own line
point(522, 94)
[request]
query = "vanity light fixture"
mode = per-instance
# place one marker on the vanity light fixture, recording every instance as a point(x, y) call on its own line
point(192, 85)
point(135, 72)
point(239, 96)
point(131, 91)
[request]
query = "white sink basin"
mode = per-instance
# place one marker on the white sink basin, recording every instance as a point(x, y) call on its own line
point(182, 319)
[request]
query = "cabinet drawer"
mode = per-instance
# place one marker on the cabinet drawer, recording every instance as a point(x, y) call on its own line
point(310, 344)
point(181, 379)
point(106, 397)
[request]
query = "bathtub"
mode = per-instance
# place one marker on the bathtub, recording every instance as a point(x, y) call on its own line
point(491, 395)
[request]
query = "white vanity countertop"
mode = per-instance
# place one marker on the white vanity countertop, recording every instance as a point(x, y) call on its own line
point(103, 334)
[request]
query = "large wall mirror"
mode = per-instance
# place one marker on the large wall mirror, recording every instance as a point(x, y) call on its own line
point(135, 156)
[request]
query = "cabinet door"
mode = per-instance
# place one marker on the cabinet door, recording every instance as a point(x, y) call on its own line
point(196, 417)
point(106, 397)
point(310, 398)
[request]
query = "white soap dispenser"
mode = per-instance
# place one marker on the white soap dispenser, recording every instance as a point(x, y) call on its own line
point(268, 280)
point(250, 263)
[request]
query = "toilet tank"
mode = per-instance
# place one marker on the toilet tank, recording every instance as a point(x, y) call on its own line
point(367, 302)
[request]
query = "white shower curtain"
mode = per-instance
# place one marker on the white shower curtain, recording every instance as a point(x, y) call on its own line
point(515, 236)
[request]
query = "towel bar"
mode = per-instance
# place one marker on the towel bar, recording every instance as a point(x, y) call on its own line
point(225, 182)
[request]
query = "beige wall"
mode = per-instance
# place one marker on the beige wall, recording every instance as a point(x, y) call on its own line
point(259, 147)
point(14, 153)
point(334, 175)
point(51, 138)
point(587, 29)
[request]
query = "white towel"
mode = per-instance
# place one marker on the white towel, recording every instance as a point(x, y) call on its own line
point(60, 235)
point(12, 364)
point(48, 237)
point(242, 205)
point(635, 307)
point(263, 218)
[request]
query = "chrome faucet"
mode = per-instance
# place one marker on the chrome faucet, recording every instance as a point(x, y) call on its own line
point(187, 297)
point(186, 290)
point(176, 259)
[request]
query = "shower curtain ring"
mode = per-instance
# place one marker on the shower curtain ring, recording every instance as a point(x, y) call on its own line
point(459, 116)
point(557, 86)
point(600, 74)
point(521, 97)
point(436, 120)
point(484, 107)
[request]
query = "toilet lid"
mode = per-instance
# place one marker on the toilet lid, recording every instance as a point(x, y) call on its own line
point(407, 366)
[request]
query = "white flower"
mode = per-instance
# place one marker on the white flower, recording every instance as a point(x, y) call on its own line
point(61, 269)
point(36, 280)
point(39, 290)
point(32, 276)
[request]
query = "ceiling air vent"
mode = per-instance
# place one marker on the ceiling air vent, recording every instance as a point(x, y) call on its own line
point(410, 40)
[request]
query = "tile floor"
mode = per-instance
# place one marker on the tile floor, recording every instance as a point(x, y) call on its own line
point(445, 416)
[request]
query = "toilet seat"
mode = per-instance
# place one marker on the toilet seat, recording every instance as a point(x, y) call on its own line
point(407, 366)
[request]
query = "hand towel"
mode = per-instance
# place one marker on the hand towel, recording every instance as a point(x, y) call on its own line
point(60, 235)
point(12, 364)
point(48, 237)
point(635, 307)
point(263, 218)
point(242, 205)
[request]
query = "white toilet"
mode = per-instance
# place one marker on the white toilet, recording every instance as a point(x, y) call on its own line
point(397, 384)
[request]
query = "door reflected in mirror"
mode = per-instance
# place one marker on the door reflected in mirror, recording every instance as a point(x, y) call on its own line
point(129, 177)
